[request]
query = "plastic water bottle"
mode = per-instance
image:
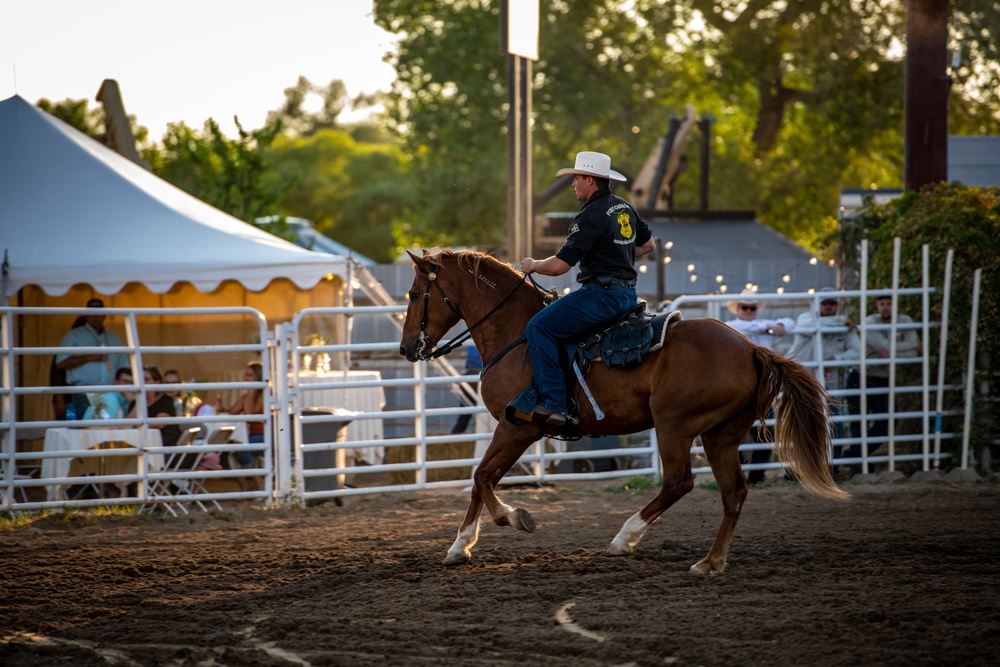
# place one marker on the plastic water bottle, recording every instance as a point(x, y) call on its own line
point(71, 412)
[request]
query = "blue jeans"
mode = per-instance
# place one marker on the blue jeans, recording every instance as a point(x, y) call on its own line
point(583, 310)
point(245, 458)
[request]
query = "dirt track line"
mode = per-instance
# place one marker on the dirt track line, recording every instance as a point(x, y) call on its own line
point(110, 656)
point(566, 623)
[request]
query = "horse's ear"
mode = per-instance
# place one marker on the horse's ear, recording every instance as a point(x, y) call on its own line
point(414, 258)
point(426, 252)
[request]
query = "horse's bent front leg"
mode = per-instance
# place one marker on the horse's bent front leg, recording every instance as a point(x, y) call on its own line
point(508, 443)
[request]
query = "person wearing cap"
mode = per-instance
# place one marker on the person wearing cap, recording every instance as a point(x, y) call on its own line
point(604, 238)
point(90, 368)
point(879, 345)
point(764, 333)
point(840, 345)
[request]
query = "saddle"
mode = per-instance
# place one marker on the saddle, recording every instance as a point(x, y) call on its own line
point(625, 343)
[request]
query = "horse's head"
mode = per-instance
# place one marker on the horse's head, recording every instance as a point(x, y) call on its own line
point(431, 313)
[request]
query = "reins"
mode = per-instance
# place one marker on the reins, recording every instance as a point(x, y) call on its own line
point(459, 339)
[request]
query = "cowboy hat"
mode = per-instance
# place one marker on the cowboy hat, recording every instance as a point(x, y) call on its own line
point(589, 163)
point(750, 300)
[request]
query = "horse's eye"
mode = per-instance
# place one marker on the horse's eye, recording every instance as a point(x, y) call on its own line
point(414, 296)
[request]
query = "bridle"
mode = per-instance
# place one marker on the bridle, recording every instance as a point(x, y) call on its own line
point(424, 345)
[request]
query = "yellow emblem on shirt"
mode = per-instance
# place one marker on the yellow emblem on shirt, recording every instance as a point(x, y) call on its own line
point(625, 223)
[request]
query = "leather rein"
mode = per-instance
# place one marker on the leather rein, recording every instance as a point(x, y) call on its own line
point(458, 340)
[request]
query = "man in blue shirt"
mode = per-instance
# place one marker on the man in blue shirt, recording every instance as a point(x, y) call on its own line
point(605, 238)
point(90, 368)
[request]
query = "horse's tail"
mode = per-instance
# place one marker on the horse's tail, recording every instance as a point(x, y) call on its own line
point(802, 434)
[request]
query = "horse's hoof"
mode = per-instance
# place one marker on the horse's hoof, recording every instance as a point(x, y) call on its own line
point(522, 520)
point(704, 568)
point(456, 559)
point(615, 550)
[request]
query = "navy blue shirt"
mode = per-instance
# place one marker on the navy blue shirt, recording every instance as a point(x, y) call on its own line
point(602, 238)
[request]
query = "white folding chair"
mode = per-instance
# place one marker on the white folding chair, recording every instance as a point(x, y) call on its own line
point(182, 462)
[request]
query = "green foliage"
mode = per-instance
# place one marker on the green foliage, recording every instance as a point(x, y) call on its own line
point(295, 120)
point(90, 121)
point(949, 216)
point(351, 191)
point(78, 114)
point(808, 98)
point(234, 175)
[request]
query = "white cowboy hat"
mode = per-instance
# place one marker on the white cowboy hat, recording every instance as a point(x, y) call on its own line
point(589, 163)
point(750, 300)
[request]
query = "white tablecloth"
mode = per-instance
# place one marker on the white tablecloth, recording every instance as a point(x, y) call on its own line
point(81, 439)
point(356, 399)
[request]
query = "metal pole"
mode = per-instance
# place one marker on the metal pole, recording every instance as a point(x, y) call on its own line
point(863, 373)
point(971, 370)
point(926, 93)
point(925, 364)
point(942, 354)
point(892, 353)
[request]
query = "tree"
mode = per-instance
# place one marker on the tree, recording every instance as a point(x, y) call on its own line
point(234, 175)
point(295, 120)
point(351, 191)
point(808, 97)
point(90, 121)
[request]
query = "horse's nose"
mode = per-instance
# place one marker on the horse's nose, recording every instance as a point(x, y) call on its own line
point(402, 350)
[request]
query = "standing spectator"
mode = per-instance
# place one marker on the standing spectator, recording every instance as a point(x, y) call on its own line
point(834, 345)
point(473, 364)
point(763, 333)
point(90, 368)
point(879, 346)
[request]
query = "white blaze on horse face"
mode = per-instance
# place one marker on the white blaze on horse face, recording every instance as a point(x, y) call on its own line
point(629, 536)
point(465, 540)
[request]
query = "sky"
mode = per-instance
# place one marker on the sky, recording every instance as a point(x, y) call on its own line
point(190, 60)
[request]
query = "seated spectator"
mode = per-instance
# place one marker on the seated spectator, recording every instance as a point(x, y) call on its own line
point(113, 404)
point(158, 404)
point(250, 402)
point(173, 377)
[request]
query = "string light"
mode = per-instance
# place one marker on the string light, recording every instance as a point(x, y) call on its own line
point(668, 245)
point(722, 289)
point(813, 261)
point(718, 278)
point(780, 290)
point(642, 268)
point(786, 278)
point(667, 260)
point(690, 267)
point(694, 277)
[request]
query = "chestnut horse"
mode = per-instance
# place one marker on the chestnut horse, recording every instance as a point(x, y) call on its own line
point(706, 380)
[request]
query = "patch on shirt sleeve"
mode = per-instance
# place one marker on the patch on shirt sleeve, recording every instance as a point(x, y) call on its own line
point(574, 228)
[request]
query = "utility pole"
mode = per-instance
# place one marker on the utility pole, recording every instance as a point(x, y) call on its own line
point(926, 99)
point(519, 42)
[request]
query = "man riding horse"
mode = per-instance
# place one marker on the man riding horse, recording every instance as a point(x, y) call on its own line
point(605, 238)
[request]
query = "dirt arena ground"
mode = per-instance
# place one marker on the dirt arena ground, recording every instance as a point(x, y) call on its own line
point(903, 574)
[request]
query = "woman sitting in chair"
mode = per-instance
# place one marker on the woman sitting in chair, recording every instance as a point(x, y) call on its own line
point(158, 404)
point(250, 402)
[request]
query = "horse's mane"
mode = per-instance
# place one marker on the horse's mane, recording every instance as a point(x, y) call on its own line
point(481, 264)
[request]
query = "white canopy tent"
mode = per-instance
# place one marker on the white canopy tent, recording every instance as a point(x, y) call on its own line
point(73, 211)
point(78, 220)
